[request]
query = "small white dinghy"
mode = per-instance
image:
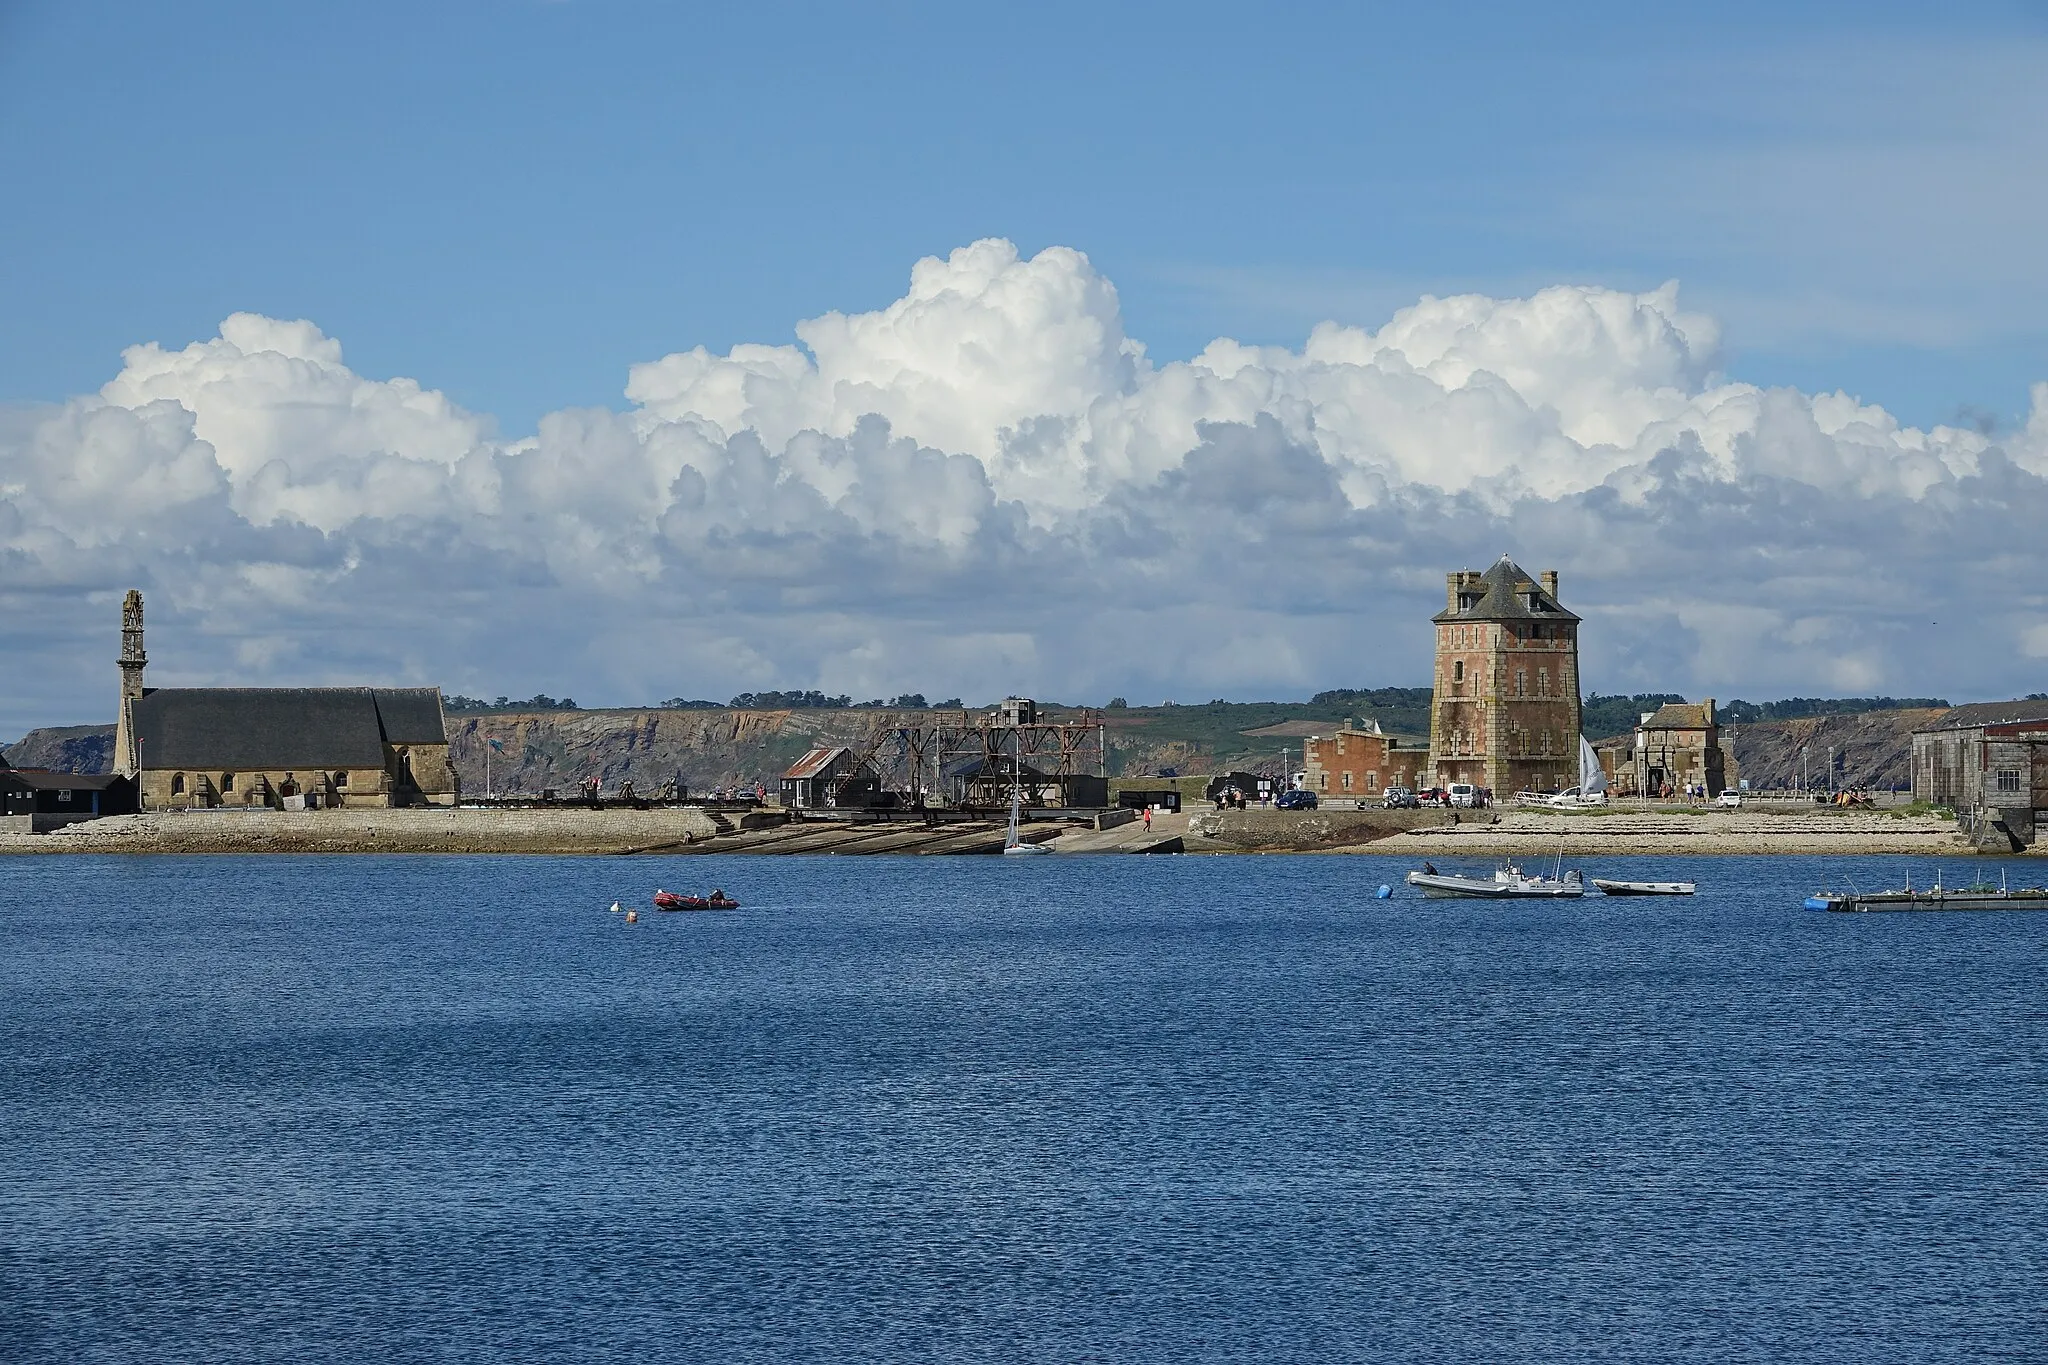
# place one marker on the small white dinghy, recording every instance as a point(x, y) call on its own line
point(1614, 888)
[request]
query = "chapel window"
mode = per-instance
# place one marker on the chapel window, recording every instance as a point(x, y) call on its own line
point(227, 782)
point(341, 779)
point(177, 784)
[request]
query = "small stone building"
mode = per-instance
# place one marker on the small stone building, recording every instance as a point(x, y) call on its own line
point(1676, 746)
point(1360, 763)
point(190, 747)
point(1989, 763)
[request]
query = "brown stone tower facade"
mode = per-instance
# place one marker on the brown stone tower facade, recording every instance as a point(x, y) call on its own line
point(1505, 712)
point(126, 761)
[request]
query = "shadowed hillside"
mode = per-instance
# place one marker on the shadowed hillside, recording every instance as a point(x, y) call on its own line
point(1872, 749)
point(66, 749)
point(717, 746)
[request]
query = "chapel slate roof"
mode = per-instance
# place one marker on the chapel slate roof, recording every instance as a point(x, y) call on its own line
point(281, 727)
point(1679, 715)
point(1510, 595)
point(411, 715)
point(1992, 713)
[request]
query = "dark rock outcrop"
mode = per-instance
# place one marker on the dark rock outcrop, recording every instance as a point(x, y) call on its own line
point(66, 749)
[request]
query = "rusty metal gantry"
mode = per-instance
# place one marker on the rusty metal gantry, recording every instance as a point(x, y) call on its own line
point(912, 759)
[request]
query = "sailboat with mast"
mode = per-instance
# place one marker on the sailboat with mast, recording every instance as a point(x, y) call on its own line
point(1012, 843)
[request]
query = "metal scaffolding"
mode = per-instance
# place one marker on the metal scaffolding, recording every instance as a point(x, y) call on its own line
point(967, 760)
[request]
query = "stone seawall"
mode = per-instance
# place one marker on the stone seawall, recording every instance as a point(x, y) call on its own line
point(1822, 830)
point(1408, 834)
point(562, 830)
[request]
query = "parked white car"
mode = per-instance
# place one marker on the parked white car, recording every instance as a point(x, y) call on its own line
point(1463, 794)
point(1730, 799)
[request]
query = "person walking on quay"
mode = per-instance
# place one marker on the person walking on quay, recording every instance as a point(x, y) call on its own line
point(1148, 819)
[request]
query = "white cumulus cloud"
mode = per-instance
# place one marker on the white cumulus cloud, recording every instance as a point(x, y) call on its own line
point(987, 485)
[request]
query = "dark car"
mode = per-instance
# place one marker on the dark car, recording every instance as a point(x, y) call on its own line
point(1296, 800)
point(1400, 798)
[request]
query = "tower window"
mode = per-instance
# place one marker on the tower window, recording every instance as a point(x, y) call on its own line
point(1521, 681)
point(1458, 671)
point(1542, 682)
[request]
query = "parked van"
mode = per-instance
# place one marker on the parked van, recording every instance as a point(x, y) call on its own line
point(1464, 794)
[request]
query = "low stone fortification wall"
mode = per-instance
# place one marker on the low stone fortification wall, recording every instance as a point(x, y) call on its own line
point(1264, 829)
point(1622, 831)
point(565, 829)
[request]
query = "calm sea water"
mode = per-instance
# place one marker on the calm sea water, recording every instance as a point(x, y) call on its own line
point(364, 1109)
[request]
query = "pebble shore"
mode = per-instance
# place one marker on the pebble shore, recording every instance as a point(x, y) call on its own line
point(1426, 834)
point(1822, 830)
point(563, 830)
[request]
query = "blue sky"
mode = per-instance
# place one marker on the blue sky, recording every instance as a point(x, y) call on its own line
point(515, 201)
point(631, 351)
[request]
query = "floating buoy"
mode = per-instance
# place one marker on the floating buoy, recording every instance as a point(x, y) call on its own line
point(616, 907)
point(632, 917)
point(1383, 893)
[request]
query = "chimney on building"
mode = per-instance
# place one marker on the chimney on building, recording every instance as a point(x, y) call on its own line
point(1707, 710)
point(1451, 582)
point(1550, 583)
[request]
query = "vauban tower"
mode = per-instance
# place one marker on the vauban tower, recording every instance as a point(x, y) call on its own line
point(1505, 711)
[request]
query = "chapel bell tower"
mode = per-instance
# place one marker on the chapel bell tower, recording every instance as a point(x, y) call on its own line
point(127, 762)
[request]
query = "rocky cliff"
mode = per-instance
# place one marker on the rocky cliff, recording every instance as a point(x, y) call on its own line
point(66, 749)
point(727, 748)
point(1872, 749)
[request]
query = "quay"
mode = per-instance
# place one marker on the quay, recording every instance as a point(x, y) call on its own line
point(661, 831)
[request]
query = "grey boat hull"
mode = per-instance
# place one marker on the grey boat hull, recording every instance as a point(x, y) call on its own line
point(2028, 898)
point(1437, 886)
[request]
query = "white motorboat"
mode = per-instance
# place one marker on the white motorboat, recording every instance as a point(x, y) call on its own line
point(1614, 888)
point(1508, 882)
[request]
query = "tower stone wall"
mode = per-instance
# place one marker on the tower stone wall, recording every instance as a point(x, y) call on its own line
point(132, 661)
point(1506, 712)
